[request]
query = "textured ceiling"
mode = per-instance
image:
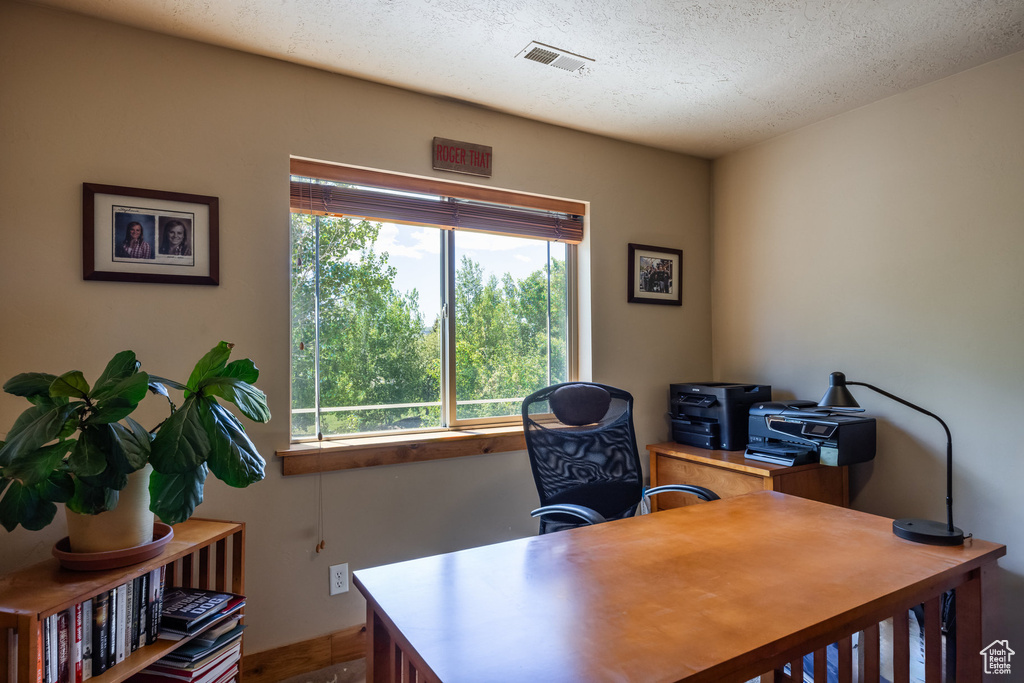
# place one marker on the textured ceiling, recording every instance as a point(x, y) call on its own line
point(704, 77)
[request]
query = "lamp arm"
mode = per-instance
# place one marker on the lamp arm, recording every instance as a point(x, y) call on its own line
point(919, 409)
point(949, 445)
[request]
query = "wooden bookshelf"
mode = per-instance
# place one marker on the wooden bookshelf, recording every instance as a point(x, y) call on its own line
point(203, 554)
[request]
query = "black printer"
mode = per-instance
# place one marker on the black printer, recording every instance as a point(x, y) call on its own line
point(713, 414)
point(798, 433)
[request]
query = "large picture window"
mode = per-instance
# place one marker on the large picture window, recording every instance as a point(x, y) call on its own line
point(422, 311)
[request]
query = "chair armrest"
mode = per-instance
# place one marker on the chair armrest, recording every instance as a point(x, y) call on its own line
point(699, 491)
point(586, 514)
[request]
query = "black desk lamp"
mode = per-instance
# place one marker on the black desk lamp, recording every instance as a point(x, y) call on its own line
point(917, 530)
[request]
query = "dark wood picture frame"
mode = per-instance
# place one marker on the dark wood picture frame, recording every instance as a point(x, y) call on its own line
point(130, 234)
point(655, 275)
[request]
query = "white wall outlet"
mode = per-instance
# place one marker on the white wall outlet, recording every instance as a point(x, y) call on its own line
point(339, 578)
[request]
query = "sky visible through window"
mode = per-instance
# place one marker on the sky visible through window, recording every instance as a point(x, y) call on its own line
point(415, 251)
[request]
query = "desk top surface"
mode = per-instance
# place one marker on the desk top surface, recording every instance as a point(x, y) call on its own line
point(693, 591)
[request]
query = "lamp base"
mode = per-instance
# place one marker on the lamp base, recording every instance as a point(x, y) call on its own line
point(927, 531)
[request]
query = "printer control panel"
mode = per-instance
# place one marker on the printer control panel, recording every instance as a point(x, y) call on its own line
point(804, 428)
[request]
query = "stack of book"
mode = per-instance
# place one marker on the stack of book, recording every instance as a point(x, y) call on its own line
point(187, 611)
point(213, 654)
point(87, 639)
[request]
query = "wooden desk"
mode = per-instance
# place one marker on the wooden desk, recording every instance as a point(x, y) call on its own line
point(722, 591)
point(729, 473)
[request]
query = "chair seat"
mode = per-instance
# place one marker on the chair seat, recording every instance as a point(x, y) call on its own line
point(614, 500)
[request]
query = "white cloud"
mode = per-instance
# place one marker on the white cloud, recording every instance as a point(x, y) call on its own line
point(408, 240)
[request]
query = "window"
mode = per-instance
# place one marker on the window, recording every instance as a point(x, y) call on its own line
point(416, 308)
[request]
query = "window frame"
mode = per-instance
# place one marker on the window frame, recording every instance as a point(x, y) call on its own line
point(491, 434)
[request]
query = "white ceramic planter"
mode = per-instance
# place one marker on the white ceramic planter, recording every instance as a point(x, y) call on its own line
point(128, 525)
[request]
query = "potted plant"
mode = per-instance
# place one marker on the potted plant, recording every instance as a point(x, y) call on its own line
point(77, 444)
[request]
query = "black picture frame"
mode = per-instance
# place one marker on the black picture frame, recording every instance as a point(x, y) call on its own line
point(655, 275)
point(130, 234)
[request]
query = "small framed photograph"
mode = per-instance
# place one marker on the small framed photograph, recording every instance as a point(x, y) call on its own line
point(135, 235)
point(655, 275)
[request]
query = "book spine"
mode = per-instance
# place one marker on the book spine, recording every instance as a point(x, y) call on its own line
point(160, 596)
point(40, 672)
point(111, 627)
point(50, 651)
point(143, 610)
point(100, 632)
point(153, 625)
point(120, 623)
point(133, 619)
point(87, 651)
point(63, 648)
point(75, 622)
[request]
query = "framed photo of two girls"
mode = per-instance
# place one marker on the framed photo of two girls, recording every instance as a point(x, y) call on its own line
point(135, 235)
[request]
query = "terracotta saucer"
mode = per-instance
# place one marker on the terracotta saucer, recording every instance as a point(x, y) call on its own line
point(111, 559)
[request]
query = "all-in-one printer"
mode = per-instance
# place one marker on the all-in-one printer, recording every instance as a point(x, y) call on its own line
point(798, 432)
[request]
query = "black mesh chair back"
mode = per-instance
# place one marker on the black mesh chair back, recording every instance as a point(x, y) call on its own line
point(586, 453)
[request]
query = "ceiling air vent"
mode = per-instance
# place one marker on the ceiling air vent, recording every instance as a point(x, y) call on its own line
point(553, 56)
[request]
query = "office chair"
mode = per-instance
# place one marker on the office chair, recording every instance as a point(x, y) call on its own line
point(584, 458)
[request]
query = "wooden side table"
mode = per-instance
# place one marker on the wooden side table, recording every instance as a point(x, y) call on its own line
point(729, 473)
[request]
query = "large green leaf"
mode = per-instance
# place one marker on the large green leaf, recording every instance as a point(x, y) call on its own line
point(233, 459)
point(109, 478)
point(70, 384)
point(47, 401)
point(34, 428)
point(71, 423)
point(23, 505)
point(90, 455)
point(131, 388)
point(30, 384)
point(118, 398)
point(210, 364)
point(175, 496)
point(243, 369)
point(35, 466)
point(59, 487)
point(134, 441)
point(250, 400)
point(111, 410)
point(181, 445)
point(89, 499)
point(122, 366)
point(122, 454)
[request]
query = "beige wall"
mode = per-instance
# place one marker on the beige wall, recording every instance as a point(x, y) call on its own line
point(888, 243)
point(87, 101)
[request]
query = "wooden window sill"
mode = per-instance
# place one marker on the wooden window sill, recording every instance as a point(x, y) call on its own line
point(345, 454)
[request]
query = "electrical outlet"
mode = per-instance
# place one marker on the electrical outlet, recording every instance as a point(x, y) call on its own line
point(339, 578)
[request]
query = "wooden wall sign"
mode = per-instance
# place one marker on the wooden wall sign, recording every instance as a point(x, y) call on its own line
point(462, 157)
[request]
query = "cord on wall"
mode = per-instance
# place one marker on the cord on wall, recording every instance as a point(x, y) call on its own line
point(320, 495)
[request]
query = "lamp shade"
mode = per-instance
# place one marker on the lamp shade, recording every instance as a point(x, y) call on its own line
point(838, 396)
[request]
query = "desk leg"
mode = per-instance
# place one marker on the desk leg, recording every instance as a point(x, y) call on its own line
point(872, 653)
point(968, 626)
point(379, 646)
